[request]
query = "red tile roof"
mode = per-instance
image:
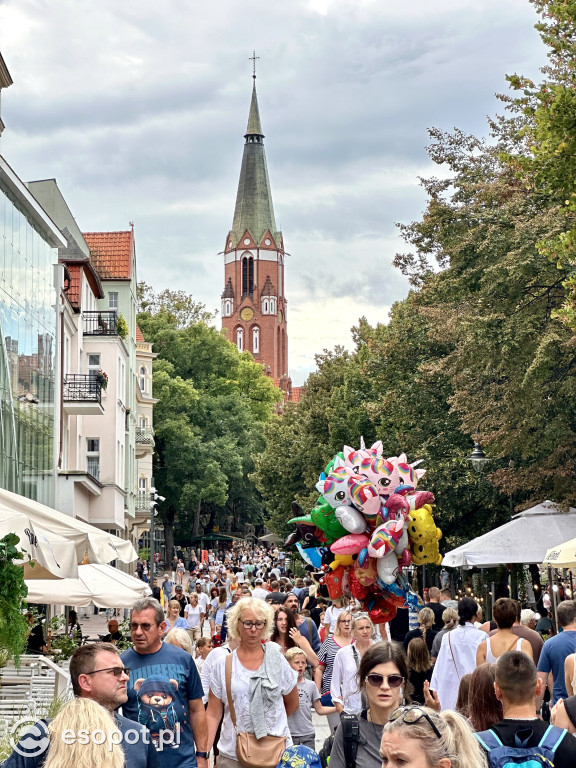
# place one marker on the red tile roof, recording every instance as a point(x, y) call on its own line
point(139, 334)
point(73, 292)
point(111, 253)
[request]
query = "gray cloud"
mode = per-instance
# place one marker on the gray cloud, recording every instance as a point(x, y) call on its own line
point(138, 109)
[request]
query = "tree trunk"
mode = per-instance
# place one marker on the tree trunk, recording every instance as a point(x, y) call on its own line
point(196, 524)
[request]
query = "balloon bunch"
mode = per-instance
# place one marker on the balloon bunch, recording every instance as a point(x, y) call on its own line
point(369, 523)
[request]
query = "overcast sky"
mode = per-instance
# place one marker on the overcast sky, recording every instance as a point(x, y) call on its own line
point(138, 109)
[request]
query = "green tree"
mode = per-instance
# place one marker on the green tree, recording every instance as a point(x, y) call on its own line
point(209, 421)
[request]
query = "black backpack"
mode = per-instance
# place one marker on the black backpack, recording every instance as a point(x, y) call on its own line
point(351, 735)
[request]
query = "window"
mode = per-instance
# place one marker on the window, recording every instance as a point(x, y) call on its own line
point(272, 306)
point(93, 457)
point(247, 275)
point(143, 422)
point(143, 378)
point(256, 341)
point(93, 365)
point(142, 485)
point(265, 307)
point(240, 339)
point(113, 300)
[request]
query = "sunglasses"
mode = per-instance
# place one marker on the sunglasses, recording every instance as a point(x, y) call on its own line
point(413, 715)
point(143, 627)
point(116, 671)
point(394, 681)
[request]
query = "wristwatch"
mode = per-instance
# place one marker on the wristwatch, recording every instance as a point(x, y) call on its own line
point(205, 755)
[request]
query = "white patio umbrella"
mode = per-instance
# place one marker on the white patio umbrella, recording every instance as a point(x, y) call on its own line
point(562, 555)
point(92, 543)
point(50, 552)
point(526, 538)
point(103, 585)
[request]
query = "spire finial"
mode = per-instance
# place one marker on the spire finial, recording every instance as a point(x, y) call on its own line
point(253, 59)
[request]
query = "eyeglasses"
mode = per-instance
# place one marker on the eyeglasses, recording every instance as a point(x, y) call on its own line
point(116, 671)
point(250, 624)
point(412, 715)
point(394, 681)
point(144, 627)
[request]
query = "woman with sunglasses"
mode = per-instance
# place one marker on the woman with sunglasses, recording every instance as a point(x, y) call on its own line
point(262, 687)
point(417, 737)
point(382, 677)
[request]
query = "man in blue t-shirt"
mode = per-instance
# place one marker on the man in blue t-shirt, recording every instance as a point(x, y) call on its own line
point(97, 673)
point(556, 649)
point(164, 691)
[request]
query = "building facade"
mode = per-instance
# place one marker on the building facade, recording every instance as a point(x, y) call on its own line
point(29, 415)
point(254, 304)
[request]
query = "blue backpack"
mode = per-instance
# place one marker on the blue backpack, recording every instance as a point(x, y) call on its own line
point(521, 755)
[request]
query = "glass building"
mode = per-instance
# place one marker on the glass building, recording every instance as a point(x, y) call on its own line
point(28, 342)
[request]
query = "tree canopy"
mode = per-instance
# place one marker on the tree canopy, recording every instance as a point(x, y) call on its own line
point(212, 406)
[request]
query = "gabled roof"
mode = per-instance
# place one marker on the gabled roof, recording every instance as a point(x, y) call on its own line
point(268, 289)
point(139, 335)
point(112, 253)
point(228, 292)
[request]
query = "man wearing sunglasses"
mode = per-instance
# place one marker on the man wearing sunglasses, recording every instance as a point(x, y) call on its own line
point(96, 672)
point(164, 690)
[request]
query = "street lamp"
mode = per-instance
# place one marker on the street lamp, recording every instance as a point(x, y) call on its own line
point(478, 458)
point(154, 499)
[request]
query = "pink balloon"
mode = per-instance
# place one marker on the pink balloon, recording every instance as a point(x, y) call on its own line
point(350, 545)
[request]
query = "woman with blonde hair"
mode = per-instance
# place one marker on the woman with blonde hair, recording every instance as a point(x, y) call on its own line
point(450, 618)
point(255, 677)
point(102, 747)
point(181, 639)
point(421, 738)
point(425, 631)
point(173, 619)
point(219, 605)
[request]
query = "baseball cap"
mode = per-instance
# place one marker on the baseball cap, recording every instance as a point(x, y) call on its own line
point(166, 576)
point(178, 588)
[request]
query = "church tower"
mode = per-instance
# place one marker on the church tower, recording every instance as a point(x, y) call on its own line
point(253, 300)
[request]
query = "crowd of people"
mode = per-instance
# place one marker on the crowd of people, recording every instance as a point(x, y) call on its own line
point(234, 654)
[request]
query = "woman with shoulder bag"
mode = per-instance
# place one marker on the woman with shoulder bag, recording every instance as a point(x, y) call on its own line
point(383, 678)
point(255, 688)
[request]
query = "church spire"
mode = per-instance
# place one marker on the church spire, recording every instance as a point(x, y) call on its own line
point(254, 209)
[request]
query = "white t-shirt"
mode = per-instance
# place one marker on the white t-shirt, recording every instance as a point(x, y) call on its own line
point(331, 616)
point(344, 683)
point(192, 614)
point(276, 720)
point(203, 601)
point(260, 593)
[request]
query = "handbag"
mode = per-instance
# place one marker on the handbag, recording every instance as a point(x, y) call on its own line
point(250, 751)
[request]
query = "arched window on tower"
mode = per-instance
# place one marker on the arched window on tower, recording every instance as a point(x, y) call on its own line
point(256, 340)
point(247, 275)
point(240, 339)
point(227, 307)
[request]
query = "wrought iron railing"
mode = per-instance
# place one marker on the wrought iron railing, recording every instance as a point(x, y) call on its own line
point(144, 436)
point(82, 387)
point(100, 323)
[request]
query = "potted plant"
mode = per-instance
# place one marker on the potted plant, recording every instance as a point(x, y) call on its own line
point(102, 379)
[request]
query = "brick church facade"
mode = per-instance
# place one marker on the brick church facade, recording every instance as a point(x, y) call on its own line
point(254, 305)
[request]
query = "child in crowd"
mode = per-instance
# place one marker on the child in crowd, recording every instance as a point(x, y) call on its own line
point(300, 723)
point(203, 647)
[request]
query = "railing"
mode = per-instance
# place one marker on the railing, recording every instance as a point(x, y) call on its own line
point(142, 502)
point(82, 387)
point(144, 436)
point(100, 323)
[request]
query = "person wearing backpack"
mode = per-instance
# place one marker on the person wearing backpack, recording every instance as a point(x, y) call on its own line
point(521, 739)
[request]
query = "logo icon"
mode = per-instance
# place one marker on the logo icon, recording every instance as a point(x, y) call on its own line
point(35, 740)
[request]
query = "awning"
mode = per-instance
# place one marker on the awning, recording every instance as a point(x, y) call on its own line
point(526, 538)
point(103, 585)
point(44, 529)
point(562, 555)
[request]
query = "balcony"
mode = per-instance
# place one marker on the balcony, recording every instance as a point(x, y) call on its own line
point(100, 323)
point(144, 441)
point(142, 502)
point(82, 395)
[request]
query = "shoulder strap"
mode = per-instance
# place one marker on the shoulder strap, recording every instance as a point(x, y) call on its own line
point(452, 653)
point(309, 626)
point(351, 734)
point(356, 657)
point(552, 738)
point(489, 740)
point(228, 671)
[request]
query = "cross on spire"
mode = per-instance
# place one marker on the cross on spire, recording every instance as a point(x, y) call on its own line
point(253, 59)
